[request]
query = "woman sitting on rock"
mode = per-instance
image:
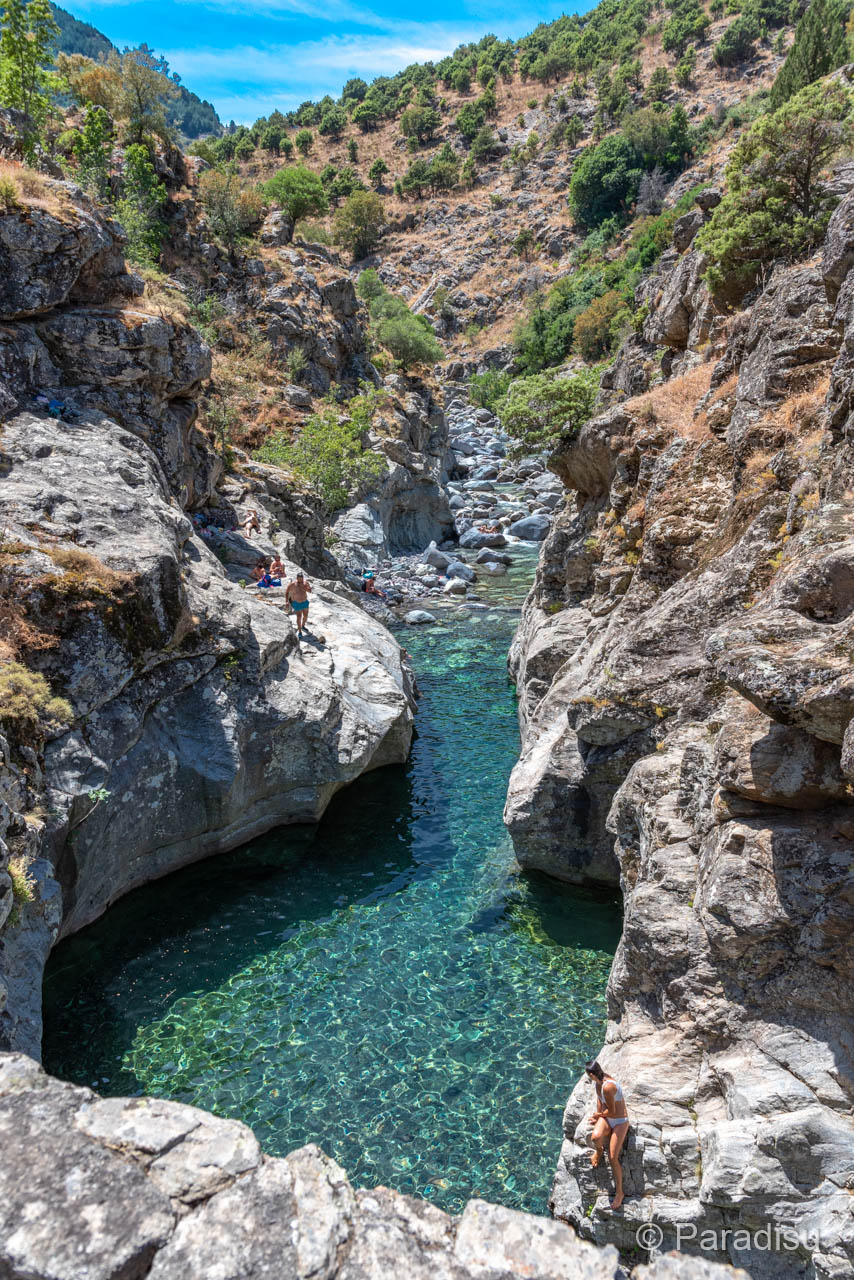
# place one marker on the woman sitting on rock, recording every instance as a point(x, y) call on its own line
point(371, 586)
point(259, 569)
point(610, 1123)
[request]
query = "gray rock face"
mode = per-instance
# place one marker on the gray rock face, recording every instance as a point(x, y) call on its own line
point(686, 705)
point(195, 709)
point(408, 508)
point(98, 1189)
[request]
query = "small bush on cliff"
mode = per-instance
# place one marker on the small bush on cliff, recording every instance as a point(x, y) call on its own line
point(232, 210)
point(778, 202)
point(297, 191)
point(27, 706)
point(330, 453)
point(408, 337)
point(538, 410)
point(23, 888)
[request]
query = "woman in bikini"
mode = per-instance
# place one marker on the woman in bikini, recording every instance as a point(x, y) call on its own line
point(610, 1123)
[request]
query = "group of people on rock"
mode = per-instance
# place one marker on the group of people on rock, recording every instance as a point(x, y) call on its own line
point(268, 571)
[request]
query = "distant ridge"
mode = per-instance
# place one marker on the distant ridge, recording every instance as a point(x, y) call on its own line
point(187, 113)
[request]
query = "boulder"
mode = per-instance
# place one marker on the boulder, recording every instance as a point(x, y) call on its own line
point(532, 528)
point(456, 569)
point(475, 540)
point(418, 617)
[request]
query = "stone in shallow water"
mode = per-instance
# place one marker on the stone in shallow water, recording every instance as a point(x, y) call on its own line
point(531, 528)
point(417, 617)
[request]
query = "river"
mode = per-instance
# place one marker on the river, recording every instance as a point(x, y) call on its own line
point(385, 984)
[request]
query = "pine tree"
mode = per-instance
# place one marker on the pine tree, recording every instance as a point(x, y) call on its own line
point(818, 48)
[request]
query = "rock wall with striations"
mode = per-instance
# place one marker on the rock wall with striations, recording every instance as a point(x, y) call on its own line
point(684, 665)
point(198, 719)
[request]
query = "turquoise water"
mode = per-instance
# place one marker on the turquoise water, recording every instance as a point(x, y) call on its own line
point(383, 984)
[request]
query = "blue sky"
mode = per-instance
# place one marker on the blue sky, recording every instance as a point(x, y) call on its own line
point(248, 57)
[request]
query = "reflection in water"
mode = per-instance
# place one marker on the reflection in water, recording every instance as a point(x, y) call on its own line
point(384, 983)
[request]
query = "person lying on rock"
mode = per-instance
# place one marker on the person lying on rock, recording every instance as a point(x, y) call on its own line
point(610, 1123)
point(251, 522)
point(297, 597)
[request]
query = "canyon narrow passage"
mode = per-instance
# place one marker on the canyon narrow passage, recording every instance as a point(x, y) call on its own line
point(385, 983)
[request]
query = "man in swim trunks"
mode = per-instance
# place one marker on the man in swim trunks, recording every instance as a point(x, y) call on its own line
point(297, 596)
point(610, 1123)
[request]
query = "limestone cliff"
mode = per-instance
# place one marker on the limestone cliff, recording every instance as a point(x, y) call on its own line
point(685, 674)
point(196, 718)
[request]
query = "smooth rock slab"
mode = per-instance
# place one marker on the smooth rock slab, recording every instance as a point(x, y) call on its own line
point(418, 617)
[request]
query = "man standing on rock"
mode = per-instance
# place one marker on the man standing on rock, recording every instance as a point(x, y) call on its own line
point(297, 597)
point(610, 1123)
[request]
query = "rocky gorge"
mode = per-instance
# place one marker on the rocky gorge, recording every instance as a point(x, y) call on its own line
point(684, 666)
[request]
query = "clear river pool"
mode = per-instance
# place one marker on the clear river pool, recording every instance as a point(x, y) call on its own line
point(386, 984)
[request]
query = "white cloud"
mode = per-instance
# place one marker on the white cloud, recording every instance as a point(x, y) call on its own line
point(246, 81)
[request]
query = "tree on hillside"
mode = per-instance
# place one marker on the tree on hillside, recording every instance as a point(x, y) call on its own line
point(605, 180)
point(27, 34)
point(139, 209)
point(92, 146)
point(132, 86)
point(818, 48)
point(358, 224)
point(232, 211)
point(333, 122)
point(738, 41)
point(366, 116)
point(377, 172)
point(420, 123)
point(778, 201)
point(297, 191)
point(304, 141)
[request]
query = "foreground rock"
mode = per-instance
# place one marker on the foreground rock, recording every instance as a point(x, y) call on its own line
point(131, 1187)
point(686, 704)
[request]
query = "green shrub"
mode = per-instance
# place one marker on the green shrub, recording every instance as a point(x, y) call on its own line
point(298, 191)
point(605, 180)
point(304, 141)
point(330, 452)
point(777, 203)
point(296, 363)
point(358, 224)
point(377, 172)
point(232, 210)
point(10, 196)
point(486, 389)
point(409, 338)
point(738, 41)
point(539, 409)
point(27, 707)
point(599, 326)
point(420, 123)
